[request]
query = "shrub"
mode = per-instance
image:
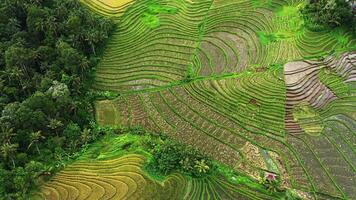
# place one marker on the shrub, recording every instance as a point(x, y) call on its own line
point(137, 130)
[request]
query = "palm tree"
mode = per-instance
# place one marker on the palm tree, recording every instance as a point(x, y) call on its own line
point(83, 65)
point(94, 37)
point(85, 136)
point(91, 37)
point(13, 25)
point(35, 139)
point(13, 73)
point(40, 26)
point(54, 124)
point(6, 133)
point(52, 25)
point(8, 151)
point(18, 75)
point(201, 166)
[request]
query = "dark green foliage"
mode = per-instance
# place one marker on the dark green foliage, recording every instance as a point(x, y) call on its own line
point(48, 49)
point(21, 179)
point(171, 156)
point(137, 130)
point(323, 14)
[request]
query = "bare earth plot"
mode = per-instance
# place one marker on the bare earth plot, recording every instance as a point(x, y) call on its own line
point(207, 73)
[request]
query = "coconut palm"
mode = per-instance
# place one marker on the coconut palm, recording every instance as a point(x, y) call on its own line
point(6, 133)
point(8, 151)
point(35, 139)
point(54, 124)
point(84, 65)
point(14, 74)
point(85, 136)
point(201, 166)
point(92, 38)
point(52, 24)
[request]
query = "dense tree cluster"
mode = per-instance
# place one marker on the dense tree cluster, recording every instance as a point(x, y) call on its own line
point(171, 156)
point(321, 14)
point(48, 49)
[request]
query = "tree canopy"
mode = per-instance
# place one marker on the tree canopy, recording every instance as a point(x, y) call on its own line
point(321, 14)
point(48, 49)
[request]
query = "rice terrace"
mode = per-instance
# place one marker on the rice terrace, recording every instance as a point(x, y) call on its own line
point(191, 99)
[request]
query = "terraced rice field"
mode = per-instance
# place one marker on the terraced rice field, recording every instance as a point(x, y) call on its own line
point(110, 175)
point(159, 42)
point(112, 8)
point(241, 80)
point(119, 178)
point(249, 122)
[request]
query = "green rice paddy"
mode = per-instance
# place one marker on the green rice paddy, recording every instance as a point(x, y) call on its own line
point(243, 81)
